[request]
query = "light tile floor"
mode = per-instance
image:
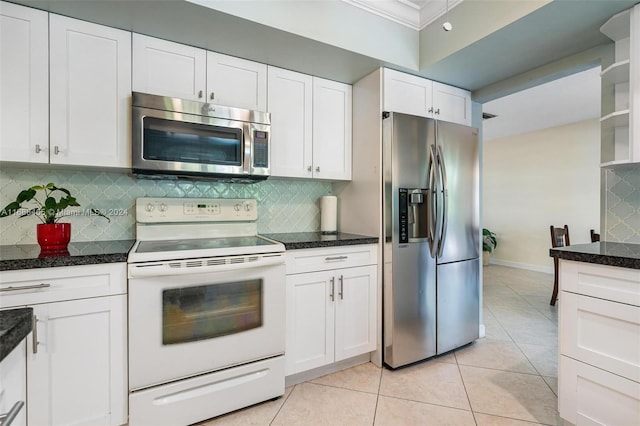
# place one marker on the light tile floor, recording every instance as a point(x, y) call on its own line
point(507, 378)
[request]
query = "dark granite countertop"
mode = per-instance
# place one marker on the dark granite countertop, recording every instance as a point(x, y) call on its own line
point(15, 324)
point(29, 256)
point(604, 253)
point(304, 240)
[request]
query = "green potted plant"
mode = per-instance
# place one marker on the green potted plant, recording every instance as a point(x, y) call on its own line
point(489, 243)
point(51, 234)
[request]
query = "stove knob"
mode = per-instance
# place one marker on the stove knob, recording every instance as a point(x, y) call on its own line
point(237, 207)
point(149, 207)
point(163, 207)
point(247, 207)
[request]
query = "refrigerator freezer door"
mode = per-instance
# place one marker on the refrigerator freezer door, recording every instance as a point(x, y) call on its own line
point(458, 304)
point(459, 150)
point(409, 289)
point(409, 306)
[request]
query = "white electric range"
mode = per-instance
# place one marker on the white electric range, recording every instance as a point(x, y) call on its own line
point(206, 311)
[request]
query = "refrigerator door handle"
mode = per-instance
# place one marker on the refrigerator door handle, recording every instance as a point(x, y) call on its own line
point(432, 208)
point(445, 201)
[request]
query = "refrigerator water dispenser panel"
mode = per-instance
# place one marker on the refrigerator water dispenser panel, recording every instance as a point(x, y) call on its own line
point(414, 215)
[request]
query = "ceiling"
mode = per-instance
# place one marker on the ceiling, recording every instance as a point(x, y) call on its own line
point(415, 14)
point(555, 31)
point(564, 101)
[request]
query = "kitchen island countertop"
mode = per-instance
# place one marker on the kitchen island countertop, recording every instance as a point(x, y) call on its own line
point(623, 255)
point(15, 325)
point(29, 256)
point(305, 240)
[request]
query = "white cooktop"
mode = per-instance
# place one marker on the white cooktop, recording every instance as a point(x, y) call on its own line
point(188, 228)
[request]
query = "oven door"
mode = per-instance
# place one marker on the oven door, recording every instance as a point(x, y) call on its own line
point(193, 322)
point(186, 144)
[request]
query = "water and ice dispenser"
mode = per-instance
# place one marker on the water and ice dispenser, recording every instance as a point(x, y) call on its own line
point(414, 215)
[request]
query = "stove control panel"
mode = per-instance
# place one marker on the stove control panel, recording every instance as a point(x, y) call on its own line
point(153, 210)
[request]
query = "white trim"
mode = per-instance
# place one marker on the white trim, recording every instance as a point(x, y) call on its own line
point(527, 266)
point(306, 376)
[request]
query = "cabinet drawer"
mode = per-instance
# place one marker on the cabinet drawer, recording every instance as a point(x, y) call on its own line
point(590, 396)
point(604, 334)
point(29, 287)
point(321, 259)
point(605, 282)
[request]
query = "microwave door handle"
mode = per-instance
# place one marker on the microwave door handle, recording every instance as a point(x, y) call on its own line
point(247, 143)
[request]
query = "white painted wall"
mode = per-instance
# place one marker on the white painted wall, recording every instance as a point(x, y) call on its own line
point(541, 178)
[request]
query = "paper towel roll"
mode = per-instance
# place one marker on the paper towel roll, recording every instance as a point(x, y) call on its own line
point(329, 214)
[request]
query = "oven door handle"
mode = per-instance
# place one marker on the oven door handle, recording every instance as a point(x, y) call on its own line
point(201, 266)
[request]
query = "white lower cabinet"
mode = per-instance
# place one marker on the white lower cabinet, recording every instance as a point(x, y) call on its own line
point(331, 311)
point(13, 386)
point(599, 344)
point(77, 354)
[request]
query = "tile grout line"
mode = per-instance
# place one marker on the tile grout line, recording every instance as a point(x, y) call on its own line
point(466, 392)
point(282, 406)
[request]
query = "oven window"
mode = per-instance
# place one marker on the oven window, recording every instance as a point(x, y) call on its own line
point(204, 312)
point(167, 140)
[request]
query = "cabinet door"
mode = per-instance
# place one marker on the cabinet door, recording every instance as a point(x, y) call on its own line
point(170, 69)
point(24, 84)
point(77, 373)
point(13, 384)
point(90, 71)
point(331, 130)
point(451, 104)
point(356, 302)
point(407, 94)
point(591, 396)
point(310, 321)
point(236, 82)
point(290, 104)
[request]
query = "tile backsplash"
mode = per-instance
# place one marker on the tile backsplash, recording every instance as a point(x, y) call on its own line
point(622, 212)
point(283, 205)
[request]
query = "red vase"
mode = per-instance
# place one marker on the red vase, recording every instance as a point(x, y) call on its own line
point(54, 236)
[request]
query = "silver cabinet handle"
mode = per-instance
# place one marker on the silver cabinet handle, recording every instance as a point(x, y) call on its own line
point(34, 333)
point(438, 111)
point(200, 94)
point(341, 292)
point(7, 418)
point(317, 168)
point(430, 109)
point(333, 287)
point(309, 168)
point(212, 96)
point(26, 287)
point(38, 149)
point(56, 150)
point(330, 258)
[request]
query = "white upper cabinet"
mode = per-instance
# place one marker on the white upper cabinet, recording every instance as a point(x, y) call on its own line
point(170, 69)
point(310, 126)
point(407, 93)
point(24, 84)
point(177, 70)
point(331, 130)
point(90, 75)
point(236, 82)
point(290, 104)
point(414, 95)
point(451, 104)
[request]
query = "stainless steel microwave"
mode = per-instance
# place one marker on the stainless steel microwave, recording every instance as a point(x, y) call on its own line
point(175, 138)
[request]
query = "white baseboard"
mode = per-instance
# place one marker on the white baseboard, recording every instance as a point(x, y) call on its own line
point(305, 376)
point(536, 268)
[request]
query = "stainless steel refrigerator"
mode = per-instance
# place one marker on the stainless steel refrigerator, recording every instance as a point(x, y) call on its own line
point(431, 237)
